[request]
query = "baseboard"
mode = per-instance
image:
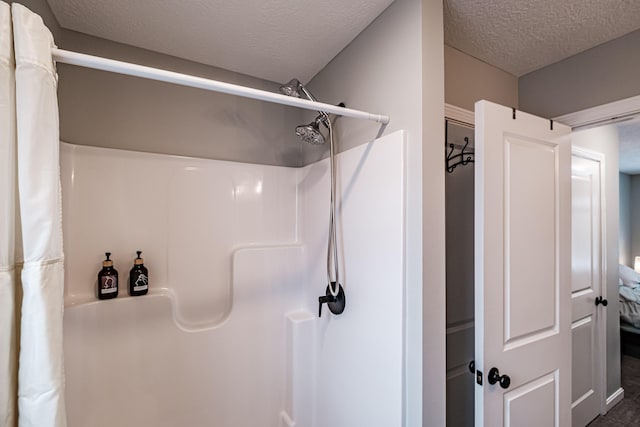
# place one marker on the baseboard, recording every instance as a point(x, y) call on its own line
point(614, 399)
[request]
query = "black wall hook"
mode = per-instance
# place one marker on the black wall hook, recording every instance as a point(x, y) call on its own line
point(464, 157)
point(335, 303)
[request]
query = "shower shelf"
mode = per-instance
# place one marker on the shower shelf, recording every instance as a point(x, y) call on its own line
point(78, 300)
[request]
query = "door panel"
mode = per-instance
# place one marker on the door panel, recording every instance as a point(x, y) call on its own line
point(522, 268)
point(531, 283)
point(582, 235)
point(586, 273)
point(460, 398)
point(532, 404)
point(582, 385)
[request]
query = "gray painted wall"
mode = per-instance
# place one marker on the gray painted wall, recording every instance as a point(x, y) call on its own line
point(603, 74)
point(634, 206)
point(468, 80)
point(624, 234)
point(604, 140)
point(110, 110)
point(379, 72)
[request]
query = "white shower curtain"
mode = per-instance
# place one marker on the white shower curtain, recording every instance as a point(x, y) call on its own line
point(8, 193)
point(40, 385)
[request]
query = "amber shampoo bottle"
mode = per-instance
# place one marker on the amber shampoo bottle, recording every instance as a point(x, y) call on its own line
point(138, 277)
point(107, 279)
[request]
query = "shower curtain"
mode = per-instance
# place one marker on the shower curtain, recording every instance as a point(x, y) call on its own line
point(8, 285)
point(34, 201)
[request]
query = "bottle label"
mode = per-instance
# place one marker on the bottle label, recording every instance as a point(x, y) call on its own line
point(109, 284)
point(141, 283)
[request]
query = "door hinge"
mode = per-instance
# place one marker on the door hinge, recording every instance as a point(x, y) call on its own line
point(478, 376)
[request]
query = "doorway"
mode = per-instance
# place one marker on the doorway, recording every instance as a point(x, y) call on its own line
point(588, 321)
point(629, 167)
point(459, 205)
point(459, 320)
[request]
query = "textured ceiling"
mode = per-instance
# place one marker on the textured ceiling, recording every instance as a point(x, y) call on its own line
point(271, 39)
point(520, 36)
point(629, 143)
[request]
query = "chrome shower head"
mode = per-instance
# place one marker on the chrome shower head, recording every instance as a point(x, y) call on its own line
point(311, 133)
point(292, 88)
point(296, 89)
point(308, 133)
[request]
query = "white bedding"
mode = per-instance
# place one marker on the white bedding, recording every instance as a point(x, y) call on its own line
point(630, 305)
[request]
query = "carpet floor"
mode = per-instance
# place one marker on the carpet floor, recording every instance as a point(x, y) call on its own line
point(627, 412)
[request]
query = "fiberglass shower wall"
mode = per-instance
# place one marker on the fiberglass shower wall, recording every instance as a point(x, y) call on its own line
point(229, 333)
point(460, 283)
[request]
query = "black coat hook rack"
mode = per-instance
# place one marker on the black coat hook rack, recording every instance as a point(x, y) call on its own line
point(464, 157)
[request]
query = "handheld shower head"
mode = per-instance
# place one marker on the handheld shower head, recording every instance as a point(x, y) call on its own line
point(308, 133)
point(311, 133)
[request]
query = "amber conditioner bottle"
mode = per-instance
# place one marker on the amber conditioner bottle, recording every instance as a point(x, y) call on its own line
point(107, 279)
point(138, 277)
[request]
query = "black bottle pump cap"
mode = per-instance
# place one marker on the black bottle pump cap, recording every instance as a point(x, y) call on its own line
point(138, 261)
point(107, 262)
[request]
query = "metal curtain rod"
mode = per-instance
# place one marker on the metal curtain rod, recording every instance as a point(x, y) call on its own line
point(98, 63)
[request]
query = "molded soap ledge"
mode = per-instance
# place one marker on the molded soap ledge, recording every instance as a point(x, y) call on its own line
point(73, 301)
point(126, 303)
point(274, 270)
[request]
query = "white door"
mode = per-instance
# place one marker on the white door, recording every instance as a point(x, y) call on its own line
point(588, 319)
point(522, 269)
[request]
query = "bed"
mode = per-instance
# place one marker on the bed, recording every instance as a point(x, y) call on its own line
point(629, 298)
point(630, 306)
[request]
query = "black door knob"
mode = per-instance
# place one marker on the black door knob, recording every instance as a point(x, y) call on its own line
point(472, 366)
point(495, 377)
point(600, 300)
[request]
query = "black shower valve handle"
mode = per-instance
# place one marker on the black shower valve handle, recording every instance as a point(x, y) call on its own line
point(325, 299)
point(336, 303)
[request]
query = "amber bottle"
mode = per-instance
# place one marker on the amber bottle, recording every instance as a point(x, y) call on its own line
point(107, 279)
point(138, 277)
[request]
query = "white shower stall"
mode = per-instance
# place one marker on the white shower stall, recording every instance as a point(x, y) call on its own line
point(229, 333)
point(232, 215)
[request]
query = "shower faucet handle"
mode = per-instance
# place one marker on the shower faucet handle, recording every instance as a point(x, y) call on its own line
point(325, 299)
point(335, 303)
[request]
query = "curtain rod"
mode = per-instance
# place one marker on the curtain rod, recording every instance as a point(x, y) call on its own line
point(104, 64)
